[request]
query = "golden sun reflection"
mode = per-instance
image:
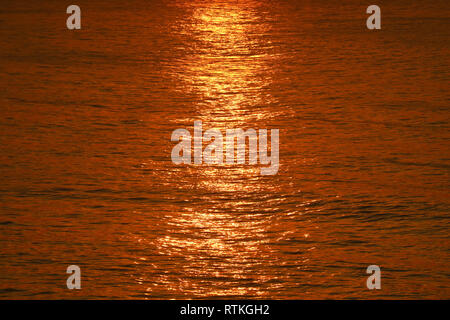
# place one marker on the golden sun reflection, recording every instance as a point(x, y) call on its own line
point(220, 236)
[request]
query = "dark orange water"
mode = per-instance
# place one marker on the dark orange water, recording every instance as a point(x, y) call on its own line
point(87, 179)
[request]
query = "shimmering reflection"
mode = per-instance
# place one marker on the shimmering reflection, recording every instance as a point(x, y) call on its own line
point(225, 243)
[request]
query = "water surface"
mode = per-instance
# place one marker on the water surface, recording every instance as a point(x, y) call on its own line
point(87, 178)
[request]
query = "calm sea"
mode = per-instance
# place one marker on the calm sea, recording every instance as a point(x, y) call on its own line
point(86, 176)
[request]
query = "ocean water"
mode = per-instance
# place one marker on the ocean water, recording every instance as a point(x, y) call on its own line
point(85, 151)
